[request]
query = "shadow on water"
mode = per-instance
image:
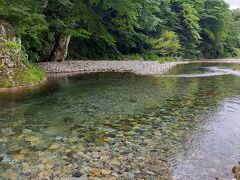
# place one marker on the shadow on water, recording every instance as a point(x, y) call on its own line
point(148, 127)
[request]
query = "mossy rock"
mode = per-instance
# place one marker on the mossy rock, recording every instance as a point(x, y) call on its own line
point(15, 70)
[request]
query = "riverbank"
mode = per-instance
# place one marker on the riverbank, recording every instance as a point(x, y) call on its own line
point(136, 67)
point(38, 84)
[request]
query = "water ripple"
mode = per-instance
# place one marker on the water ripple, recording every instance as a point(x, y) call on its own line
point(210, 71)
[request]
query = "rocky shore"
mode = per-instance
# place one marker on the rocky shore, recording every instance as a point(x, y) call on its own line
point(136, 67)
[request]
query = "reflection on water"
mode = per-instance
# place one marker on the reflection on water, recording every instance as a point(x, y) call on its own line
point(214, 152)
point(113, 125)
point(207, 72)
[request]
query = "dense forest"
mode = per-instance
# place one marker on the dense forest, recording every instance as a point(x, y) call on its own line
point(52, 30)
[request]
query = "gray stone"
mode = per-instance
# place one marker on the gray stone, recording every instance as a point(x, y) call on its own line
point(131, 175)
point(84, 177)
point(155, 168)
point(7, 132)
point(137, 67)
point(27, 131)
point(150, 173)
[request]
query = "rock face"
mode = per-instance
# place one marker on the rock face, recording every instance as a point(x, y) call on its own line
point(236, 172)
point(9, 51)
point(15, 70)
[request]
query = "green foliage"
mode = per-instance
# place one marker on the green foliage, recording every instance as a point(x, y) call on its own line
point(236, 53)
point(216, 22)
point(111, 29)
point(23, 77)
point(28, 20)
point(133, 57)
point(12, 45)
point(33, 75)
point(150, 56)
point(167, 44)
point(191, 20)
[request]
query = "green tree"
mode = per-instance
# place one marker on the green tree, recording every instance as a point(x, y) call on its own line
point(110, 28)
point(27, 18)
point(215, 22)
point(167, 44)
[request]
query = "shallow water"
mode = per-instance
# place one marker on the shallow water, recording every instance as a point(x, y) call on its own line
point(183, 125)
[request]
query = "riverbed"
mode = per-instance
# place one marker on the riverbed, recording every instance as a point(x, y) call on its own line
point(184, 124)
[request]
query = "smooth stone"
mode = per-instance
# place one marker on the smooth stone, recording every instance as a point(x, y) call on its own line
point(7, 132)
point(115, 175)
point(131, 175)
point(6, 159)
point(58, 138)
point(51, 131)
point(54, 146)
point(150, 173)
point(32, 138)
point(155, 168)
point(84, 177)
point(90, 110)
point(76, 174)
point(95, 156)
point(40, 167)
point(95, 171)
point(27, 131)
point(106, 172)
point(73, 139)
point(131, 133)
point(98, 164)
point(42, 146)
point(115, 162)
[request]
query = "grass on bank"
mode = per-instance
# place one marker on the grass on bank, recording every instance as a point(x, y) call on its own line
point(23, 76)
point(33, 75)
point(150, 57)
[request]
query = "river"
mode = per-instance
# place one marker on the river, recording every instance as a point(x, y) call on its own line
point(184, 124)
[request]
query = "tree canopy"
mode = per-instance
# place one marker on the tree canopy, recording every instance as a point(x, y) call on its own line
point(51, 30)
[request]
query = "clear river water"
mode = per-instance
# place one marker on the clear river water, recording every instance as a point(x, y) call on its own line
point(182, 125)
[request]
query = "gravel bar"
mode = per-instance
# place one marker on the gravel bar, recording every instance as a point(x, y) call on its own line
point(136, 67)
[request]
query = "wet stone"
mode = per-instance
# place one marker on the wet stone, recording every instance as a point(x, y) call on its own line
point(8, 132)
point(83, 177)
point(76, 174)
point(54, 146)
point(27, 131)
point(150, 173)
point(155, 168)
point(130, 175)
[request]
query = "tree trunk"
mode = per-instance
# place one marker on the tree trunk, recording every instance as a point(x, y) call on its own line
point(57, 49)
point(60, 49)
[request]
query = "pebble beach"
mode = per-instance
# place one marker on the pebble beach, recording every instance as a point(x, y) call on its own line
point(136, 67)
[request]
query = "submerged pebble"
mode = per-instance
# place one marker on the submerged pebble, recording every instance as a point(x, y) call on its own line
point(118, 129)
